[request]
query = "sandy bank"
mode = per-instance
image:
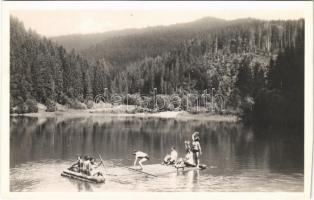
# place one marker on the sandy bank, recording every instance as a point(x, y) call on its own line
point(180, 115)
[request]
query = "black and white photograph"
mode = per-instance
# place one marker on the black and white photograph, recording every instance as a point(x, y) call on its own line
point(180, 97)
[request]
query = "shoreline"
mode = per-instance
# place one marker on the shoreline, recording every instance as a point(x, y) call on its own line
point(179, 115)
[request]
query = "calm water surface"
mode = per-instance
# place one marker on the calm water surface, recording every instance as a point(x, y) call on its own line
point(240, 158)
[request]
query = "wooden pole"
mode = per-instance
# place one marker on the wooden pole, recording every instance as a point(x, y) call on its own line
point(140, 171)
point(127, 168)
point(102, 163)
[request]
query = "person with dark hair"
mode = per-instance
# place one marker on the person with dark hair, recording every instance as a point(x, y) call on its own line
point(86, 163)
point(141, 156)
point(77, 167)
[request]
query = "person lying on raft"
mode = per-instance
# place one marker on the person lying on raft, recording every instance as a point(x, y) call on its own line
point(141, 156)
point(171, 158)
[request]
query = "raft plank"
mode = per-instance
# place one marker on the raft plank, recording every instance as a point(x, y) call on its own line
point(159, 169)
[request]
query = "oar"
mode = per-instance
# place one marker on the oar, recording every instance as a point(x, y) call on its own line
point(128, 168)
point(101, 161)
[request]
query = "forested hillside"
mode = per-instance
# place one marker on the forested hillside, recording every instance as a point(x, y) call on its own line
point(42, 71)
point(123, 47)
point(239, 59)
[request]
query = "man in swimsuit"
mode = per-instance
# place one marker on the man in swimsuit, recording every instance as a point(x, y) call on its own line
point(77, 167)
point(141, 156)
point(86, 165)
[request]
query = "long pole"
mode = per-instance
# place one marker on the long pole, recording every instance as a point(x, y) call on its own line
point(139, 171)
point(102, 163)
point(128, 168)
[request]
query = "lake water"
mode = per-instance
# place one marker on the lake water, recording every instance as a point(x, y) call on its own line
point(240, 158)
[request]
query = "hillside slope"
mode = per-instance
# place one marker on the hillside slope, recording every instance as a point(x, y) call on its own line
point(121, 48)
point(126, 46)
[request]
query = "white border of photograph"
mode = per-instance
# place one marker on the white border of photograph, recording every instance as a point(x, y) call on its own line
point(8, 6)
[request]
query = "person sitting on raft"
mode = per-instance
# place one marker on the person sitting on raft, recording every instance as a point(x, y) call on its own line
point(188, 160)
point(141, 156)
point(92, 168)
point(89, 167)
point(85, 165)
point(77, 167)
point(171, 158)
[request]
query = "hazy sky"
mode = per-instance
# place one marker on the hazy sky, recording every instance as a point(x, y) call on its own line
point(65, 21)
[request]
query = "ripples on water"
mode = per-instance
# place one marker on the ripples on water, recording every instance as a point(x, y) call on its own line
point(242, 159)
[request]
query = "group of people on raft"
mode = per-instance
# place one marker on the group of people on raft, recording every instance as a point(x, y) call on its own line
point(191, 159)
point(86, 165)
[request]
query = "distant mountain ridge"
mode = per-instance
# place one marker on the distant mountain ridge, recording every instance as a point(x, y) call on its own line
point(84, 41)
point(123, 47)
point(117, 46)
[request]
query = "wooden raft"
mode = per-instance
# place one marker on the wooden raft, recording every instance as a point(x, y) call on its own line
point(158, 169)
point(82, 177)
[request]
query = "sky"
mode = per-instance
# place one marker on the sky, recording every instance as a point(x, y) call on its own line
point(117, 16)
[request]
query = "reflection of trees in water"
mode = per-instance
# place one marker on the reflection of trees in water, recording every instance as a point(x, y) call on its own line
point(286, 148)
point(83, 186)
point(229, 146)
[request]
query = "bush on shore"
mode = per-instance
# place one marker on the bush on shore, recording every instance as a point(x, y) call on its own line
point(51, 106)
point(89, 104)
point(20, 106)
point(76, 104)
point(31, 106)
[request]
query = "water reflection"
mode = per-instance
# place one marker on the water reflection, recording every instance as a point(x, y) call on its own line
point(230, 149)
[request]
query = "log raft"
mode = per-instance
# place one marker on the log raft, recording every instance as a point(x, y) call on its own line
point(82, 177)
